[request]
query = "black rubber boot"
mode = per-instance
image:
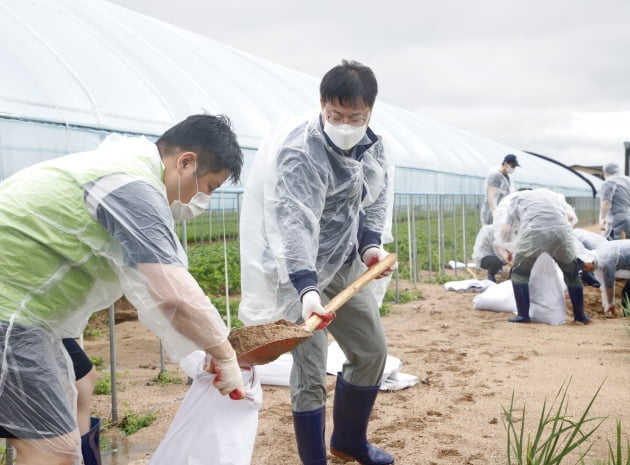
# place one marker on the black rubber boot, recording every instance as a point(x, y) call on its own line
point(90, 444)
point(576, 294)
point(309, 434)
point(588, 278)
point(351, 413)
point(521, 295)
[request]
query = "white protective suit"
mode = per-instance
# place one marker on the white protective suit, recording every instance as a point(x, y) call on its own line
point(503, 185)
point(540, 213)
point(615, 195)
point(303, 214)
point(610, 258)
point(76, 233)
point(484, 244)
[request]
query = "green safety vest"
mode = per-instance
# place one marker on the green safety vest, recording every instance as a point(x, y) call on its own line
point(54, 257)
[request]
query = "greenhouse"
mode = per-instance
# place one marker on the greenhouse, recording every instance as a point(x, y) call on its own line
point(75, 71)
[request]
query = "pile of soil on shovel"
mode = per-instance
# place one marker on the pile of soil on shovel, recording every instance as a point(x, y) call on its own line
point(249, 338)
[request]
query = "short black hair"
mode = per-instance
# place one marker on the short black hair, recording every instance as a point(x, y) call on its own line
point(211, 138)
point(350, 83)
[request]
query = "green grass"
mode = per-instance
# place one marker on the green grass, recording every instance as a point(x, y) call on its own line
point(103, 386)
point(557, 436)
point(132, 422)
point(166, 377)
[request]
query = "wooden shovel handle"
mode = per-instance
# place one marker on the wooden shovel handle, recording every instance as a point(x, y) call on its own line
point(372, 272)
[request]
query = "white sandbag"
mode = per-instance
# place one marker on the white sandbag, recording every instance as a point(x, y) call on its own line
point(468, 285)
point(210, 427)
point(392, 379)
point(497, 298)
point(276, 373)
point(546, 292)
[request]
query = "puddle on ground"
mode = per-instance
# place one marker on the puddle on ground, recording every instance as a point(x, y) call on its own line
point(117, 449)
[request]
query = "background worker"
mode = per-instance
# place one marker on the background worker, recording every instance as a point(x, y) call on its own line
point(588, 240)
point(77, 232)
point(607, 259)
point(314, 212)
point(545, 224)
point(498, 185)
point(485, 255)
point(614, 209)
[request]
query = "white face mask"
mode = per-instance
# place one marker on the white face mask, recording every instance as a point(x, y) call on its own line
point(196, 206)
point(344, 136)
point(510, 170)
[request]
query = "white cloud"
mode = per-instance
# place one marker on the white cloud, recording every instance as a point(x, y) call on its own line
point(550, 77)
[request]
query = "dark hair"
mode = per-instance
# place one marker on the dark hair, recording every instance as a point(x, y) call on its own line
point(211, 138)
point(350, 83)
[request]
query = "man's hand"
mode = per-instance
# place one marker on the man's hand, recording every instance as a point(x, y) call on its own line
point(312, 304)
point(373, 255)
point(229, 379)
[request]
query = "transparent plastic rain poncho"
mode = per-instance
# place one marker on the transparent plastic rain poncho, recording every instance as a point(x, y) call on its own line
point(615, 192)
point(75, 234)
point(609, 258)
point(503, 188)
point(589, 239)
point(301, 211)
point(534, 221)
point(484, 244)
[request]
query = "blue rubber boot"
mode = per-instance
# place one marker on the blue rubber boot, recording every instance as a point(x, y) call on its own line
point(576, 295)
point(521, 295)
point(309, 434)
point(351, 413)
point(90, 444)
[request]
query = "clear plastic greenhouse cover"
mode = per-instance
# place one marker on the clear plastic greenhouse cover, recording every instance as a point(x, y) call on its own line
point(99, 66)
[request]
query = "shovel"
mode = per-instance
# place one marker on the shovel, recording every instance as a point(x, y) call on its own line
point(261, 344)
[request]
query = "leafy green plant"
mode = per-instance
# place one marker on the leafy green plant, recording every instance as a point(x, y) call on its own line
point(408, 295)
point(556, 436)
point(221, 304)
point(92, 332)
point(133, 422)
point(97, 362)
point(166, 377)
point(103, 386)
point(207, 264)
point(441, 278)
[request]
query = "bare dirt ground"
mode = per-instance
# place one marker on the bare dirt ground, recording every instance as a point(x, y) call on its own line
point(470, 363)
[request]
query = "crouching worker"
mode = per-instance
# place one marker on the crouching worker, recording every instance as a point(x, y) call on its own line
point(76, 233)
point(314, 209)
point(543, 222)
point(485, 255)
point(607, 259)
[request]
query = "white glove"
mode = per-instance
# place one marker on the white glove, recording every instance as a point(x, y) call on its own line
point(312, 303)
point(374, 255)
point(229, 379)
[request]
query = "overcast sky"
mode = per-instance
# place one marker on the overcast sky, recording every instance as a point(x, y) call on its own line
point(547, 76)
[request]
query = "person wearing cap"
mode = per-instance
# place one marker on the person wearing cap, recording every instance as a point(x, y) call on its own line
point(614, 209)
point(498, 185)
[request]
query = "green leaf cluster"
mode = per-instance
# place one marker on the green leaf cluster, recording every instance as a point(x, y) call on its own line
point(206, 263)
